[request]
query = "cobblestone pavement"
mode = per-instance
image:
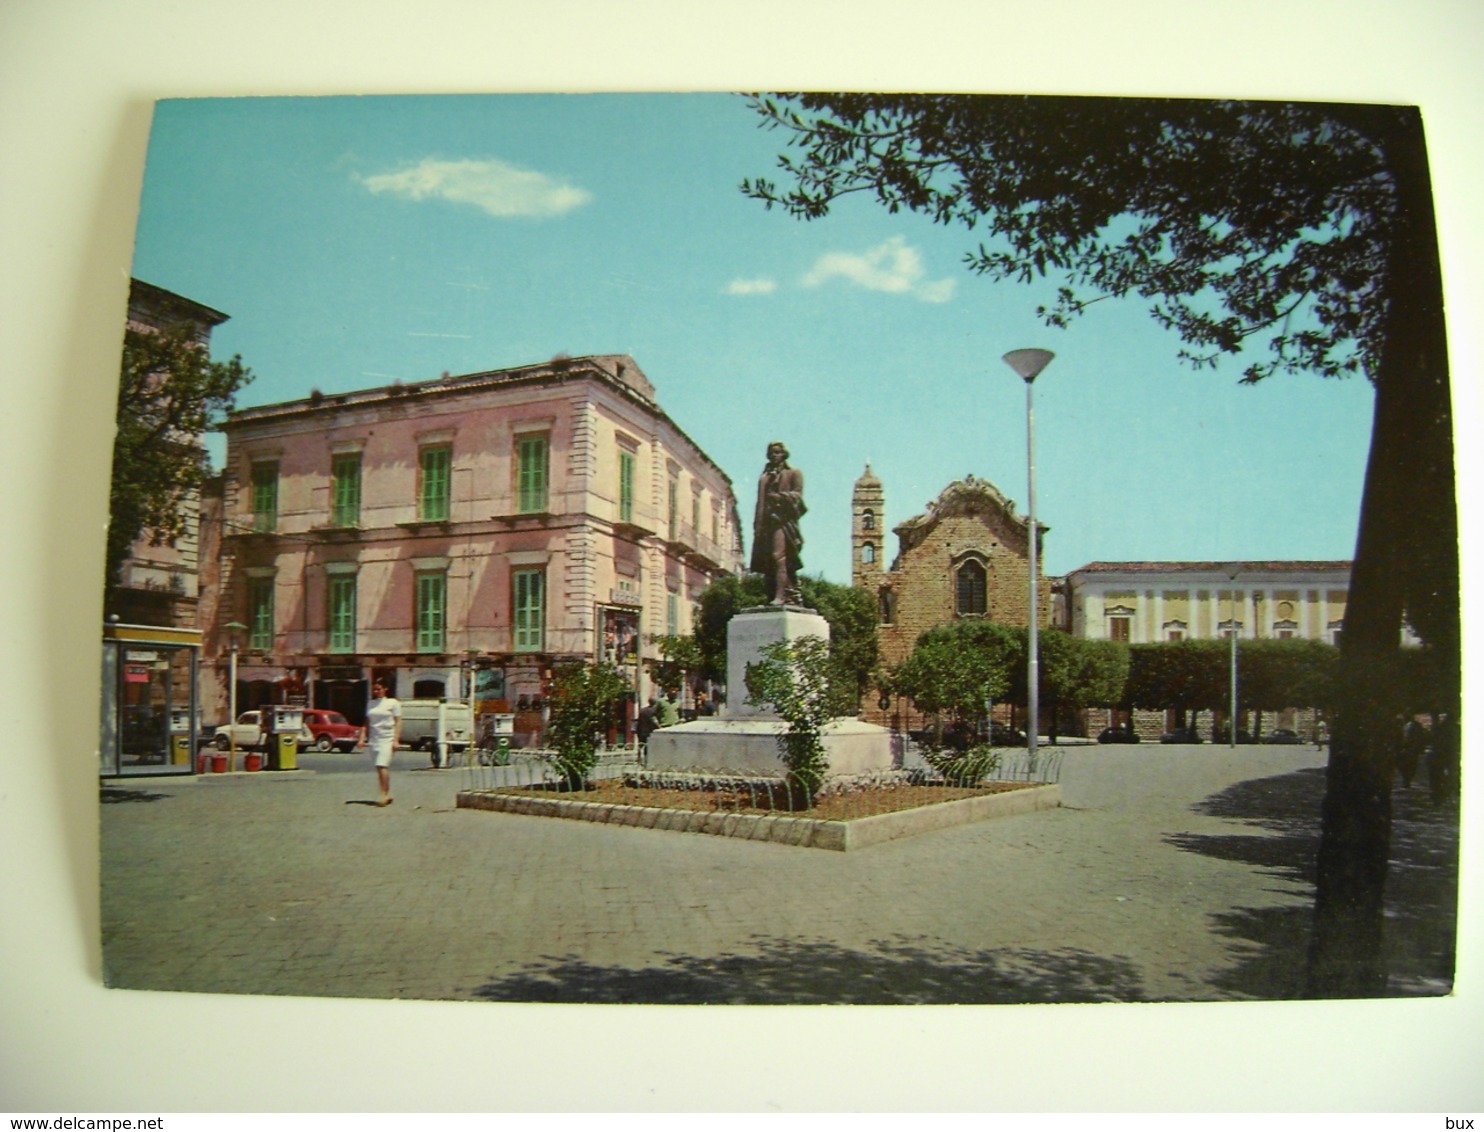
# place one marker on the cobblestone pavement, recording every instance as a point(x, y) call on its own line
point(1171, 873)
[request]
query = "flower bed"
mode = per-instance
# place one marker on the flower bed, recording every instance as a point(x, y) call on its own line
point(844, 818)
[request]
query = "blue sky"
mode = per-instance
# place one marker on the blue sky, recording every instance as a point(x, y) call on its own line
point(355, 240)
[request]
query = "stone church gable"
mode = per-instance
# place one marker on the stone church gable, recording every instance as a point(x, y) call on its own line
point(960, 508)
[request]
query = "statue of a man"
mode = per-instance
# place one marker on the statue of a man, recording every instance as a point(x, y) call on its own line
point(776, 539)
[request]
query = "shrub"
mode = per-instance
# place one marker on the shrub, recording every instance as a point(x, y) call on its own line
point(583, 700)
point(797, 679)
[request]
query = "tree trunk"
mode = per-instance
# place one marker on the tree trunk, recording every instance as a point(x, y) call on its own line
point(1406, 561)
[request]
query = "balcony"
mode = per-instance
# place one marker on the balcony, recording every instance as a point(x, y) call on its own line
point(684, 541)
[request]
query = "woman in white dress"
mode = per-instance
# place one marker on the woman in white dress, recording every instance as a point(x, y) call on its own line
point(383, 733)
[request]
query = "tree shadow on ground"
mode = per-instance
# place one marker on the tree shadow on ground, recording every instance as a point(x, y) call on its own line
point(111, 794)
point(800, 972)
point(1421, 890)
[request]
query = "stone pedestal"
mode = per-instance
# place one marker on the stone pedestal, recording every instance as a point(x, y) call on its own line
point(753, 630)
point(744, 739)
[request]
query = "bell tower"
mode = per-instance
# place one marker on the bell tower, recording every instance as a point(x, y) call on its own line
point(867, 532)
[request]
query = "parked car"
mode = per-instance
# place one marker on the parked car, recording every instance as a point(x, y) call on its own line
point(331, 730)
point(1282, 735)
point(248, 731)
point(1118, 733)
point(1003, 735)
point(1181, 735)
point(1222, 735)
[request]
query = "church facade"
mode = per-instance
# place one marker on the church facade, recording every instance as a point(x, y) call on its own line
point(967, 556)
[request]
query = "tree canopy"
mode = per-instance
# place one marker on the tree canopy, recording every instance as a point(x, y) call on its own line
point(1306, 228)
point(958, 669)
point(1232, 217)
point(170, 393)
point(851, 613)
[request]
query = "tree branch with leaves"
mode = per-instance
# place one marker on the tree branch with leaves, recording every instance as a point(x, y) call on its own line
point(170, 393)
point(1305, 229)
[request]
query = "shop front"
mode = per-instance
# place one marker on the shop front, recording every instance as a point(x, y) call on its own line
point(149, 713)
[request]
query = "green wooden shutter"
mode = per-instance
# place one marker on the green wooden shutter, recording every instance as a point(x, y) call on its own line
point(532, 454)
point(431, 595)
point(264, 496)
point(626, 487)
point(530, 610)
point(342, 601)
point(432, 502)
point(345, 477)
point(260, 613)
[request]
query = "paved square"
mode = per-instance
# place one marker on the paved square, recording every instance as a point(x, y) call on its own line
point(1171, 873)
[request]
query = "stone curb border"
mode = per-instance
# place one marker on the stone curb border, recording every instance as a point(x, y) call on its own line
point(808, 833)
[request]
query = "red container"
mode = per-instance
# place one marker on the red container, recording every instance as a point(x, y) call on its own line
point(252, 762)
point(218, 764)
point(203, 763)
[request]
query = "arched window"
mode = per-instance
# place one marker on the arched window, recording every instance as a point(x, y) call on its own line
point(868, 520)
point(868, 553)
point(971, 588)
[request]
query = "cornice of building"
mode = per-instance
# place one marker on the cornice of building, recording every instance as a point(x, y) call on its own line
point(188, 310)
point(1223, 569)
point(617, 373)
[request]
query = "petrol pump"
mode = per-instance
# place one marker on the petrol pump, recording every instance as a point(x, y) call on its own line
point(180, 736)
point(286, 723)
point(501, 732)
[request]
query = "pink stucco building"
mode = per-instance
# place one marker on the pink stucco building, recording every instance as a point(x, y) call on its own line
point(463, 533)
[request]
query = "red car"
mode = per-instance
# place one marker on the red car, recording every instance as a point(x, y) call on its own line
point(331, 730)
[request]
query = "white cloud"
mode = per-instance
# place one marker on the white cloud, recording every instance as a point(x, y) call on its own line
point(939, 291)
point(893, 266)
point(751, 287)
point(500, 189)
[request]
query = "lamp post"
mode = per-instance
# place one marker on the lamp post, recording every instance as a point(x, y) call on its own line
point(233, 628)
point(1231, 727)
point(1028, 364)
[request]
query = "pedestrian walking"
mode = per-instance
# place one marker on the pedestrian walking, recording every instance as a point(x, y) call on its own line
point(647, 721)
point(1443, 761)
point(383, 734)
point(1409, 753)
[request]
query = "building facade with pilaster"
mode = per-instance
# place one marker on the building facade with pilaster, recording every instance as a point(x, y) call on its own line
point(459, 537)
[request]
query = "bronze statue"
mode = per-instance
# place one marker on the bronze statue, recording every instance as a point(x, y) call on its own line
point(776, 539)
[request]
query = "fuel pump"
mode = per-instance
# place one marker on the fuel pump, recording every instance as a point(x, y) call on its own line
point(284, 750)
point(180, 736)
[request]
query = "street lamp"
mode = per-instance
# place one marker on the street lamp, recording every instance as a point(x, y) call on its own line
point(1028, 364)
point(1232, 571)
point(233, 628)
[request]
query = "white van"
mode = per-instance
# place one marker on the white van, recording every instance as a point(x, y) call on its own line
point(420, 724)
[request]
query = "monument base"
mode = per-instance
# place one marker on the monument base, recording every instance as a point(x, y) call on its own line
point(750, 746)
point(748, 633)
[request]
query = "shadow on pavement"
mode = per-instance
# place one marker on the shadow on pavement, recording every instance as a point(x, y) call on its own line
point(784, 972)
point(1421, 890)
point(111, 794)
